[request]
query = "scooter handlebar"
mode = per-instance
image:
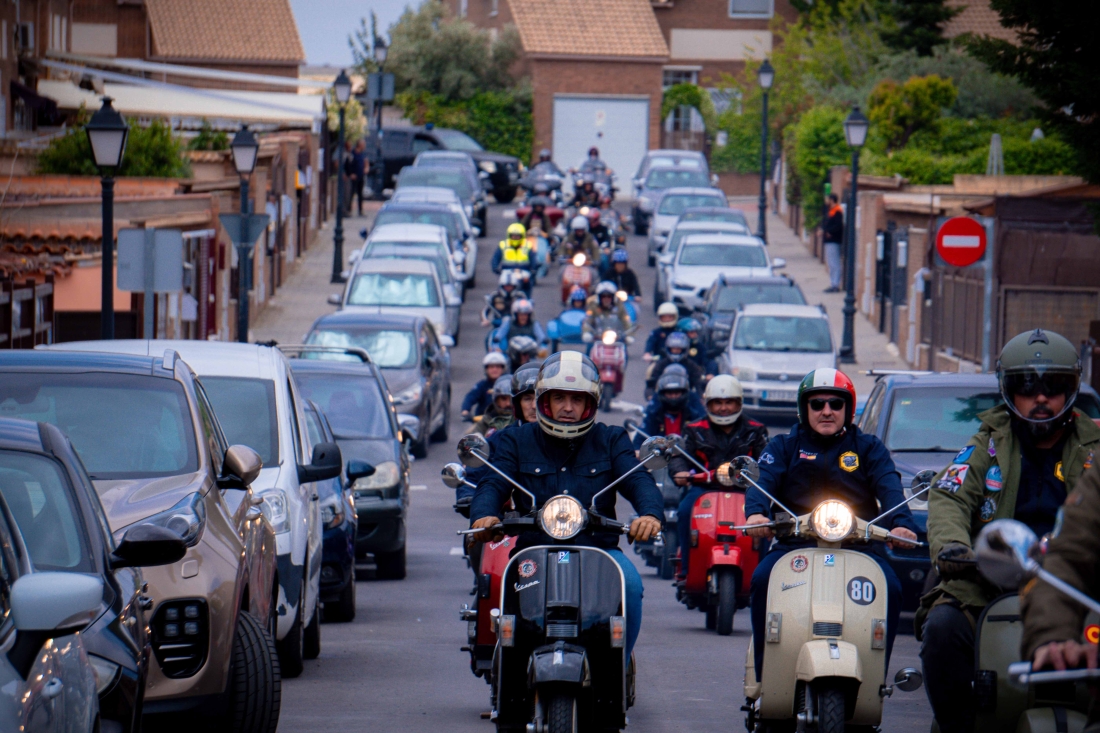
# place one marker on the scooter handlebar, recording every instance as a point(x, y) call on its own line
point(1021, 674)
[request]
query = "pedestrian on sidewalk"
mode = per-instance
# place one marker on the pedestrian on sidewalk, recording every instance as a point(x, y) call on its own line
point(357, 174)
point(833, 231)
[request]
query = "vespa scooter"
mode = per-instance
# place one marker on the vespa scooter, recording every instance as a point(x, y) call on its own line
point(825, 635)
point(608, 354)
point(560, 661)
point(660, 552)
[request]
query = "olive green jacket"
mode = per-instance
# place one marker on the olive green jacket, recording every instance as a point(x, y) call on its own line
point(967, 494)
point(1074, 556)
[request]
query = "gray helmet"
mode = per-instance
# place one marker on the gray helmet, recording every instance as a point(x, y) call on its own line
point(502, 387)
point(524, 381)
point(522, 346)
point(676, 369)
point(673, 382)
point(677, 340)
point(1040, 361)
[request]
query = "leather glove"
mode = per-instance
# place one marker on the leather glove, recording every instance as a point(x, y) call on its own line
point(955, 560)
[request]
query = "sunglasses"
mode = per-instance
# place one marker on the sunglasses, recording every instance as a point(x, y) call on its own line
point(1031, 383)
point(835, 404)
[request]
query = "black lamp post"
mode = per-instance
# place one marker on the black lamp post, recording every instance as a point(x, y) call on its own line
point(855, 132)
point(766, 77)
point(380, 51)
point(342, 88)
point(245, 150)
point(107, 133)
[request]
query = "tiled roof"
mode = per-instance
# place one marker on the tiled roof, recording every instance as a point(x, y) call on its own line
point(977, 18)
point(625, 28)
point(225, 30)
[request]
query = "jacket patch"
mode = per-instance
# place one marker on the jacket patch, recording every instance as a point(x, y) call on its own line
point(1088, 461)
point(849, 461)
point(767, 457)
point(989, 508)
point(953, 478)
point(804, 456)
point(964, 455)
point(992, 450)
point(993, 479)
point(1058, 472)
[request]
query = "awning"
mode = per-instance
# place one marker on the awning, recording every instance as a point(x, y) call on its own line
point(42, 105)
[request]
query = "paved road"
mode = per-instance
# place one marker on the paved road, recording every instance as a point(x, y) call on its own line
point(398, 666)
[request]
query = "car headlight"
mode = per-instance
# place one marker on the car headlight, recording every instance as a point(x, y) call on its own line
point(488, 166)
point(187, 518)
point(562, 517)
point(459, 256)
point(385, 475)
point(409, 394)
point(106, 672)
point(832, 520)
point(744, 374)
point(332, 511)
point(274, 509)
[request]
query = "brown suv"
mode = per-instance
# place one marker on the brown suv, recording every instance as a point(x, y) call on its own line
point(156, 454)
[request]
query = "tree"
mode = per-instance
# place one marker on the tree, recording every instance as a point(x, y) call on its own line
point(818, 145)
point(919, 25)
point(1056, 58)
point(355, 124)
point(897, 110)
point(151, 151)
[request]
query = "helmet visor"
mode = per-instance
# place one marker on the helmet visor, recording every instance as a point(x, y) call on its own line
point(1031, 382)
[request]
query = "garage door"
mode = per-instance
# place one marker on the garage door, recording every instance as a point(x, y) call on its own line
point(618, 126)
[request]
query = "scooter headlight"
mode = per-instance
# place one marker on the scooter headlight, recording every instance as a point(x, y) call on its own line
point(578, 260)
point(562, 517)
point(609, 337)
point(832, 520)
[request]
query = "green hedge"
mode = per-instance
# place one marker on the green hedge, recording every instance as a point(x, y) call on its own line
point(151, 151)
point(816, 146)
point(500, 121)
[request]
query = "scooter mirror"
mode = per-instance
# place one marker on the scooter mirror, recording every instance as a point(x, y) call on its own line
point(922, 478)
point(744, 468)
point(724, 476)
point(1003, 552)
point(908, 679)
point(654, 447)
point(454, 475)
point(469, 446)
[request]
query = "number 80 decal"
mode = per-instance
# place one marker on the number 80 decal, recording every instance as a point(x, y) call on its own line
point(861, 590)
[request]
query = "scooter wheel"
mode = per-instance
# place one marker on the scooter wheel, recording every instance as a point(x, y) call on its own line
point(561, 714)
point(830, 709)
point(727, 602)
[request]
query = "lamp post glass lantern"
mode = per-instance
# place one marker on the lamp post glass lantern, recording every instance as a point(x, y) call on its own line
point(245, 149)
point(342, 90)
point(856, 127)
point(380, 51)
point(107, 133)
point(766, 76)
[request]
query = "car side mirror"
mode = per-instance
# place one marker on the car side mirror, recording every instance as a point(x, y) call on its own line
point(477, 231)
point(146, 546)
point(447, 341)
point(326, 464)
point(410, 427)
point(335, 299)
point(240, 468)
point(454, 301)
point(483, 175)
point(359, 469)
point(363, 233)
point(714, 179)
point(46, 605)
point(779, 263)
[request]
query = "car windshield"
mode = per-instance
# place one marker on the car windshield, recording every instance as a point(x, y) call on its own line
point(246, 410)
point(724, 255)
point(733, 297)
point(678, 235)
point(41, 500)
point(123, 426)
point(731, 215)
point(455, 140)
point(354, 405)
point(451, 178)
point(394, 289)
point(443, 161)
point(783, 333)
point(444, 219)
point(664, 162)
point(388, 349)
point(388, 252)
point(674, 204)
point(936, 418)
point(676, 177)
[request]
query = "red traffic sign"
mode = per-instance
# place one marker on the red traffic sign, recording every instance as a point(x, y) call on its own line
point(961, 241)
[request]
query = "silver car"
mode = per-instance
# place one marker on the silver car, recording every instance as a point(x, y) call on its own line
point(402, 286)
point(655, 183)
point(670, 204)
point(703, 257)
point(667, 253)
point(425, 235)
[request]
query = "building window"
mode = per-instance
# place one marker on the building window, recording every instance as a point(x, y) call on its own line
point(752, 8)
point(680, 76)
point(495, 10)
point(463, 8)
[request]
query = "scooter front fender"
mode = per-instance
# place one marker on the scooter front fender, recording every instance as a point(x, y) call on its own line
point(828, 658)
point(558, 663)
point(725, 554)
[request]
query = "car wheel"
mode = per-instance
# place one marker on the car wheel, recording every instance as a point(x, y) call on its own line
point(471, 283)
point(343, 609)
point(255, 683)
point(639, 226)
point(391, 565)
point(419, 449)
point(290, 646)
point(440, 434)
point(504, 195)
point(311, 643)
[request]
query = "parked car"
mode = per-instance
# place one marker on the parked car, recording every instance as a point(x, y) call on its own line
point(924, 419)
point(401, 145)
point(436, 195)
point(772, 348)
point(413, 361)
point(728, 295)
point(670, 205)
point(656, 181)
point(409, 287)
point(668, 159)
point(714, 213)
point(666, 254)
point(48, 494)
point(460, 234)
point(466, 187)
point(432, 236)
point(450, 159)
point(156, 454)
point(340, 522)
point(703, 257)
point(355, 400)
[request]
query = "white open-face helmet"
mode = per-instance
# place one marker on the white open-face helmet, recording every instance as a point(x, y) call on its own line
point(495, 358)
point(667, 309)
point(567, 371)
point(723, 387)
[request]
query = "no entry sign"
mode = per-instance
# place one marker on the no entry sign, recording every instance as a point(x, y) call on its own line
point(961, 241)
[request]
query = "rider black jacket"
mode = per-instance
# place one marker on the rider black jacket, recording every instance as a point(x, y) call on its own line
point(712, 446)
point(626, 281)
point(548, 466)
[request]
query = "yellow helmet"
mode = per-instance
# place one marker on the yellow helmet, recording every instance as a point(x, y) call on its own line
point(516, 234)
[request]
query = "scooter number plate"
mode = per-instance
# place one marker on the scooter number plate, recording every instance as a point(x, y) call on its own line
point(861, 591)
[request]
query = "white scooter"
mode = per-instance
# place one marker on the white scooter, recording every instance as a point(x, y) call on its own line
point(825, 635)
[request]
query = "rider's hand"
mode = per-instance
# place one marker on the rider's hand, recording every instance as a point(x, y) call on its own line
point(682, 478)
point(902, 532)
point(644, 528)
point(759, 531)
point(1064, 655)
point(629, 339)
point(588, 338)
point(647, 356)
point(486, 535)
point(955, 560)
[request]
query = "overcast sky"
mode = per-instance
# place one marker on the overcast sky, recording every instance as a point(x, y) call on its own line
point(324, 25)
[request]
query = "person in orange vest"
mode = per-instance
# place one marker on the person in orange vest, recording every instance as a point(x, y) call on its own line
point(833, 230)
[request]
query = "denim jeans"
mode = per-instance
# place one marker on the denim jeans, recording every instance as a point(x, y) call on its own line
point(832, 260)
point(683, 524)
point(633, 592)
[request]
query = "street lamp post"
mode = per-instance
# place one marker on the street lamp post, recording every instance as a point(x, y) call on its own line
point(380, 51)
point(107, 133)
point(245, 149)
point(855, 132)
point(766, 77)
point(342, 87)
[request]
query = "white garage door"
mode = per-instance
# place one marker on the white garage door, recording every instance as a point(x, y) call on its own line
point(618, 126)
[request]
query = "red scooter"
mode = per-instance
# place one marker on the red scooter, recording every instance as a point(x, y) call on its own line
point(608, 354)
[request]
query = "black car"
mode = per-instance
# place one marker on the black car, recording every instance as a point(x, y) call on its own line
point(354, 398)
point(925, 419)
point(51, 498)
point(729, 294)
point(401, 145)
point(416, 367)
point(466, 187)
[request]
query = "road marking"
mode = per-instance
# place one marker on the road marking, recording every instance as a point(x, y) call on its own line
point(418, 487)
point(626, 406)
point(508, 214)
point(456, 551)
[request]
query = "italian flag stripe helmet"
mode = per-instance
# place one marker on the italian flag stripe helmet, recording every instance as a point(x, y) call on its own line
point(831, 381)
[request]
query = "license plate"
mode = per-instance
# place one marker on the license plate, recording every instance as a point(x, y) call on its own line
point(780, 395)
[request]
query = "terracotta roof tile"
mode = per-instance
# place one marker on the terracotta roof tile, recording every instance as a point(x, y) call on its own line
point(625, 28)
point(977, 18)
point(225, 30)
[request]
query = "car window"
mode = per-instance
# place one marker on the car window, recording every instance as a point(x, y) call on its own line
point(388, 348)
point(439, 218)
point(246, 411)
point(355, 405)
point(394, 289)
point(439, 261)
point(734, 297)
point(296, 422)
point(868, 423)
point(1088, 404)
point(675, 177)
point(422, 144)
point(450, 178)
point(724, 255)
point(678, 235)
point(731, 215)
point(783, 333)
point(313, 425)
point(395, 143)
point(9, 573)
point(215, 438)
point(431, 343)
point(455, 140)
point(122, 426)
point(936, 418)
point(674, 204)
point(40, 498)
